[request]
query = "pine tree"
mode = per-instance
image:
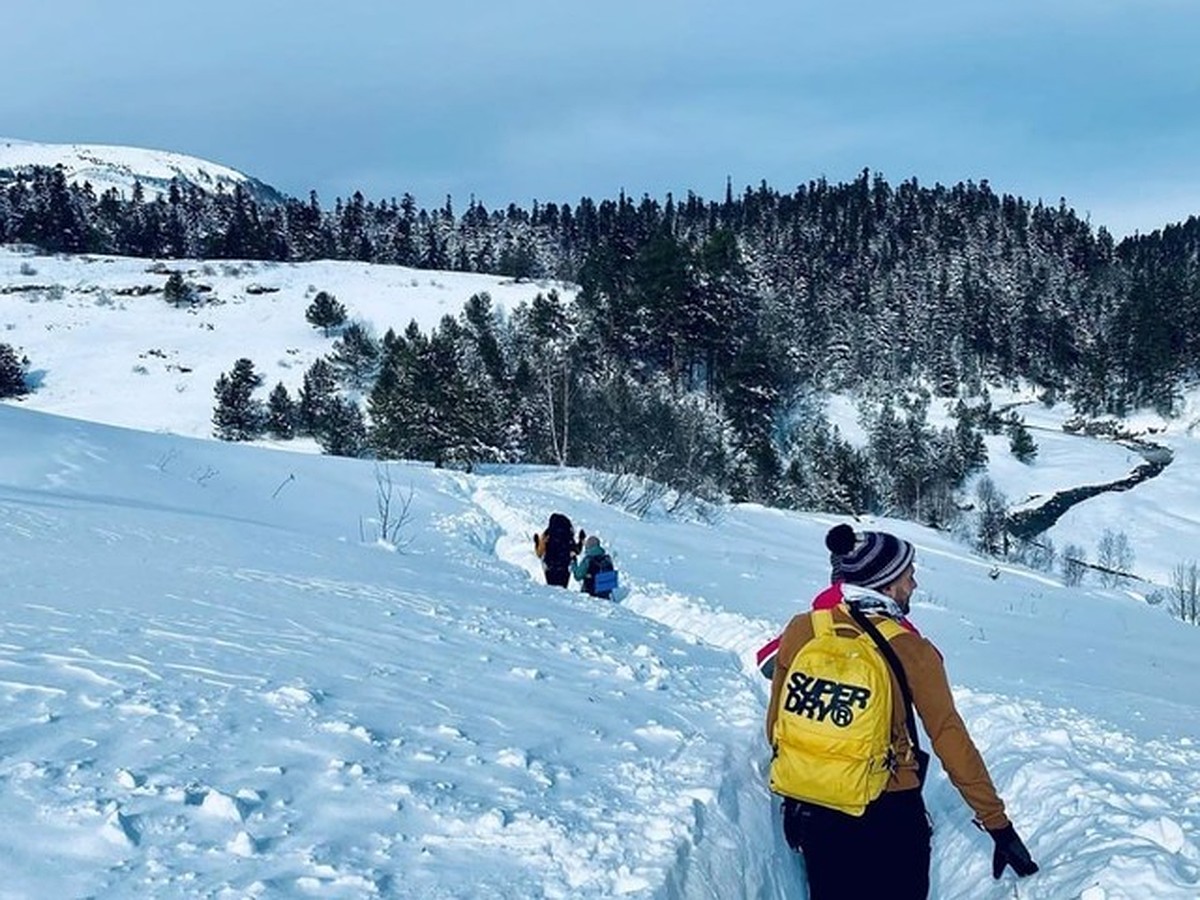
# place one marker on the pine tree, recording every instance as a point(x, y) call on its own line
point(551, 362)
point(325, 312)
point(344, 431)
point(237, 415)
point(424, 406)
point(1021, 442)
point(518, 260)
point(471, 431)
point(12, 373)
point(723, 320)
point(387, 431)
point(355, 356)
point(176, 291)
point(482, 323)
point(486, 370)
point(281, 414)
point(969, 452)
point(750, 397)
point(404, 246)
point(317, 397)
point(437, 401)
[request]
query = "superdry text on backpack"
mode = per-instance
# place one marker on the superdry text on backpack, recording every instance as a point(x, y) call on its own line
point(832, 736)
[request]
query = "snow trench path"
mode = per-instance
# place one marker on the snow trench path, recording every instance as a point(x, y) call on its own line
point(1108, 816)
point(732, 847)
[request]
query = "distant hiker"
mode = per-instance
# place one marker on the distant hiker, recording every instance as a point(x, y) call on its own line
point(595, 569)
point(557, 548)
point(854, 672)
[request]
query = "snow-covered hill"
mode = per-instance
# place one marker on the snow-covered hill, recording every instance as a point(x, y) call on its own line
point(105, 346)
point(119, 167)
point(216, 680)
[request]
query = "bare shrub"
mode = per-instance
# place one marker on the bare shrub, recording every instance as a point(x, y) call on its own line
point(640, 496)
point(1074, 564)
point(1114, 556)
point(393, 512)
point(1183, 598)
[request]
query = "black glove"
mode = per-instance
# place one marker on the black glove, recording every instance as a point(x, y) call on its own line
point(582, 535)
point(1011, 851)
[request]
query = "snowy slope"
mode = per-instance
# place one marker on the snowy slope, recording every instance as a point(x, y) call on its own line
point(108, 167)
point(215, 682)
point(105, 346)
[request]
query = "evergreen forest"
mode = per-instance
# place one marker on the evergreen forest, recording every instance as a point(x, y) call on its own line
point(705, 332)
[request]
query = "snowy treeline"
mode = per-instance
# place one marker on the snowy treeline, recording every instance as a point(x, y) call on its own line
point(536, 385)
point(844, 281)
point(703, 330)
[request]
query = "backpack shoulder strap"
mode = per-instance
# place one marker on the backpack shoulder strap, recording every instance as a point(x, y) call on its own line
point(889, 628)
point(893, 661)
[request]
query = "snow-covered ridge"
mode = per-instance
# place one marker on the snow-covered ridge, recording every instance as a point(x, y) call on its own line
point(105, 166)
point(104, 345)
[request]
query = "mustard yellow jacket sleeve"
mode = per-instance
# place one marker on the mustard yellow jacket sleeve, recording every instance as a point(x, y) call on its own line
point(947, 732)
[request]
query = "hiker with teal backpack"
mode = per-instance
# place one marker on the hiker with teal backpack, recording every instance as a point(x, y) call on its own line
point(595, 569)
point(847, 757)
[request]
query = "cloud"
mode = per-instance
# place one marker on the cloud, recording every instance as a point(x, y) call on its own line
point(535, 98)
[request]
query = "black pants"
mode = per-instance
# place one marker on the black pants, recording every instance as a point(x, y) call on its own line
point(883, 853)
point(558, 577)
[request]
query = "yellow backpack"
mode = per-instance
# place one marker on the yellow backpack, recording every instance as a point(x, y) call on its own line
point(833, 728)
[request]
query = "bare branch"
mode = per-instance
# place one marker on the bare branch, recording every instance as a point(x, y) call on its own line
point(394, 512)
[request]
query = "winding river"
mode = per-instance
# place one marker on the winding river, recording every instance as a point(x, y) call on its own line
point(1029, 523)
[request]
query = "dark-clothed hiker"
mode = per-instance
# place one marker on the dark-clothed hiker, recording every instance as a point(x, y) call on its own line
point(869, 834)
point(557, 548)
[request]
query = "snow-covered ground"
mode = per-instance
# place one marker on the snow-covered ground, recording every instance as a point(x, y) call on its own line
point(101, 353)
point(216, 682)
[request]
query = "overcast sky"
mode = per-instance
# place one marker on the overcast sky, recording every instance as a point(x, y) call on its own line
point(1096, 102)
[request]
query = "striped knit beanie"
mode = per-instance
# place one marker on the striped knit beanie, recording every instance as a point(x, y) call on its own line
point(871, 559)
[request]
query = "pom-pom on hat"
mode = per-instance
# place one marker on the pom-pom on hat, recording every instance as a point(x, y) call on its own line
point(871, 559)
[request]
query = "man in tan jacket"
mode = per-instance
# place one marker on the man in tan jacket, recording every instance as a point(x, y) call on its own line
point(885, 852)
